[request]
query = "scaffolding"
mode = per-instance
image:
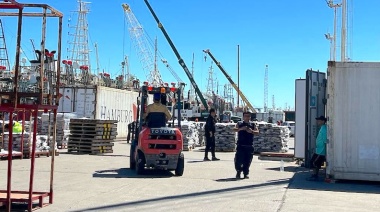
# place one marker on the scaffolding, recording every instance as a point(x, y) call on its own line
point(45, 99)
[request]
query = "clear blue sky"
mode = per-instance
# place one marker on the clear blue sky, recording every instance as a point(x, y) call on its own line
point(286, 35)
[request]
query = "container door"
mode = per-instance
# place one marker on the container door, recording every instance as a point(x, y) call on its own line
point(85, 100)
point(66, 101)
point(315, 107)
point(300, 119)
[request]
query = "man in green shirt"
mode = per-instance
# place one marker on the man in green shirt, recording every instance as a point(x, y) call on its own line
point(319, 157)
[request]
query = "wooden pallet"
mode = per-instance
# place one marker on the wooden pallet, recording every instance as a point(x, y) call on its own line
point(93, 132)
point(94, 137)
point(92, 121)
point(91, 152)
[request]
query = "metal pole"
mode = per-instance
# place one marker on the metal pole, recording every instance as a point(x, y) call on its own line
point(344, 30)
point(18, 51)
point(32, 160)
point(238, 67)
point(42, 59)
point(334, 36)
point(10, 154)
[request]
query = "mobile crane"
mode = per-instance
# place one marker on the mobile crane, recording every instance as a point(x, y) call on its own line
point(180, 60)
point(249, 105)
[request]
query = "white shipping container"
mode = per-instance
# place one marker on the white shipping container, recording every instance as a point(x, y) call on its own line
point(353, 149)
point(97, 102)
point(116, 104)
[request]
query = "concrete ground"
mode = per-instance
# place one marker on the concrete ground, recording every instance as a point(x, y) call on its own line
point(105, 183)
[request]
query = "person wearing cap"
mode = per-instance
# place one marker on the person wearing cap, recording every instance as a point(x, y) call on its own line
point(244, 149)
point(319, 157)
point(210, 135)
point(157, 107)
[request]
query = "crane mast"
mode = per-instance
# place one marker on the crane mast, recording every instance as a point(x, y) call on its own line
point(180, 60)
point(242, 96)
point(143, 50)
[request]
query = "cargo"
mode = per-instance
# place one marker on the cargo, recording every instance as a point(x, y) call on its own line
point(353, 149)
point(98, 102)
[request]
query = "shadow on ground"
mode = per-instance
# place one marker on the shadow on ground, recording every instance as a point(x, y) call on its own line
point(286, 169)
point(129, 173)
point(125, 205)
point(299, 182)
point(228, 179)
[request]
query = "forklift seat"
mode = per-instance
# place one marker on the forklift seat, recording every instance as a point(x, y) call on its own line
point(156, 120)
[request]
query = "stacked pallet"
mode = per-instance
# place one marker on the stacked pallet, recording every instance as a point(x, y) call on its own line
point(225, 137)
point(17, 140)
point(190, 135)
point(42, 143)
point(201, 133)
point(44, 125)
point(91, 136)
point(272, 138)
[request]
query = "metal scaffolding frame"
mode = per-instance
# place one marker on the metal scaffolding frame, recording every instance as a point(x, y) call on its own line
point(11, 101)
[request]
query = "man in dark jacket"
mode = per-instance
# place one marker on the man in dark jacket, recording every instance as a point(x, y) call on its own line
point(210, 135)
point(244, 149)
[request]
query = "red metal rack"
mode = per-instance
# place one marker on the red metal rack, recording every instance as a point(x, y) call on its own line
point(14, 101)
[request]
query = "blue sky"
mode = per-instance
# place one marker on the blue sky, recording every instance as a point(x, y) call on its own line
point(286, 35)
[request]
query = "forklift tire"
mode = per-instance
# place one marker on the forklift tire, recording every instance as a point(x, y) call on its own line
point(132, 162)
point(140, 164)
point(180, 166)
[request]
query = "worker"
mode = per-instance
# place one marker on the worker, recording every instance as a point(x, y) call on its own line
point(319, 157)
point(244, 150)
point(210, 135)
point(157, 107)
point(17, 127)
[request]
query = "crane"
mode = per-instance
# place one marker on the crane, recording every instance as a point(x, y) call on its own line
point(141, 44)
point(180, 60)
point(245, 100)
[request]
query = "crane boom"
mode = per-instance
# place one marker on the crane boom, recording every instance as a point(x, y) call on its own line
point(142, 48)
point(180, 60)
point(245, 100)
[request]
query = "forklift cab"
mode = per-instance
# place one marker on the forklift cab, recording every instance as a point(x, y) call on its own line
point(154, 145)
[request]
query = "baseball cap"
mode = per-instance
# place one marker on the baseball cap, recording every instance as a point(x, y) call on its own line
point(157, 96)
point(322, 118)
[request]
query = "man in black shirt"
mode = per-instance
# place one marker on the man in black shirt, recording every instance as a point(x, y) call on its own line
point(244, 149)
point(210, 135)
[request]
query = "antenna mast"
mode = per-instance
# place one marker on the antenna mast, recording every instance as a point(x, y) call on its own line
point(344, 32)
point(266, 89)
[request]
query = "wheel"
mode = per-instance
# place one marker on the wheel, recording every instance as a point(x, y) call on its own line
point(180, 166)
point(132, 162)
point(140, 164)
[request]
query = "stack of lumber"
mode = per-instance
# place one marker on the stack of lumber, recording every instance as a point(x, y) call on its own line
point(272, 138)
point(225, 137)
point(91, 136)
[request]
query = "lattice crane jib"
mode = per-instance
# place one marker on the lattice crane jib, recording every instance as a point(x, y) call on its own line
point(143, 50)
point(79, 51)
point(4, 60)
